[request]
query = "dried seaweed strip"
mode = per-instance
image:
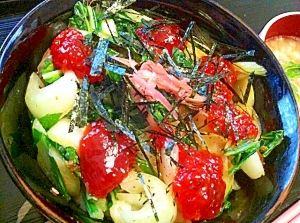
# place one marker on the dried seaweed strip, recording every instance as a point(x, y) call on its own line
point(239, 55)
point(189, 134)
point(177, 71)
point(99, 106)
point(177, 164)
point(74, 113)
point(136, 43)
point(158, 12)
point(209, 96)
point(149, 195)
point(99, 57)
point(83, 102)
point(248, 88)
point(229, 121)
point(125, 108)
point(195, 69)
point(125, 130)
point(106, 91)
point(169, 147)
point(185, 36)
point(116, 69)
point(200, 39)
point(141, 147)
point(196, 131)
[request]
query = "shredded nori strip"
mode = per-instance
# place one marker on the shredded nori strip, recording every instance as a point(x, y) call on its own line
point(116, 69)
point(149, 195)
point(99, 57)
point(177, 71)
point(74, 114)
point(196, 131)
point(248, 88)
point(83, 103)
point(99, 106)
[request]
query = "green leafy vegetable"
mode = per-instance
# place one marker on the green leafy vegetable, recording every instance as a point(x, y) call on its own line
point(158, 111)
point(48, 66)
point(241, 153)
point(84, 17)
point(181, 60)
point(95, 207)
point(49, 120)
point(52, 76)
point(270, 140)
point(47, 161)
point(292, 70)
point(246, 148)
point(144, 165)
point(49, 73)
point(114, 76)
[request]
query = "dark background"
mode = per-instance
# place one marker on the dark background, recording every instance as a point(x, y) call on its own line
point(254, 13)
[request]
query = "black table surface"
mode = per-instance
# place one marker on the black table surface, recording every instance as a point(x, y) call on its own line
point(13, 205)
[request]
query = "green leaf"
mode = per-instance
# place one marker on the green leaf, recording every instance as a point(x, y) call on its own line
point(292, 70)
point(37, 131)
point(49, 73)
point(112, 197)
point(144, 165)
point(241, 153)
point(48, 164)
point(68, 153)
point(242, 147)
point(158, 111)
point(295, 90)
point(180, 58)
point(37, 135)
point(71, 155)
point(114, 76)
point(80, 18)
point(49, 120)
point(270, 140)
point(52, 76)
point(241, 159)
point(246, 148)
point(95, 207)
point(48, 66)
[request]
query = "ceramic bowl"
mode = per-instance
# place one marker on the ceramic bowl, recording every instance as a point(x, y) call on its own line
point(275, 104)
point(285, 24)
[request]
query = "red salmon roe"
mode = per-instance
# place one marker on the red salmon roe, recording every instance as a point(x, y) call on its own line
point(161, 36)
point(220, 66)
point(69, 53)
point(105, 158)
point(227, 120)
point(198, 185)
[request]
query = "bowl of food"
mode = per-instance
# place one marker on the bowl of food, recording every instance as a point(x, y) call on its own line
point(282, 36)
point(145, 111)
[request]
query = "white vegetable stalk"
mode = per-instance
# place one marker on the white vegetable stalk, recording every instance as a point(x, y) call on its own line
point(135, 206)
point(253, 167)
point(60, 133)
point(56, 98)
